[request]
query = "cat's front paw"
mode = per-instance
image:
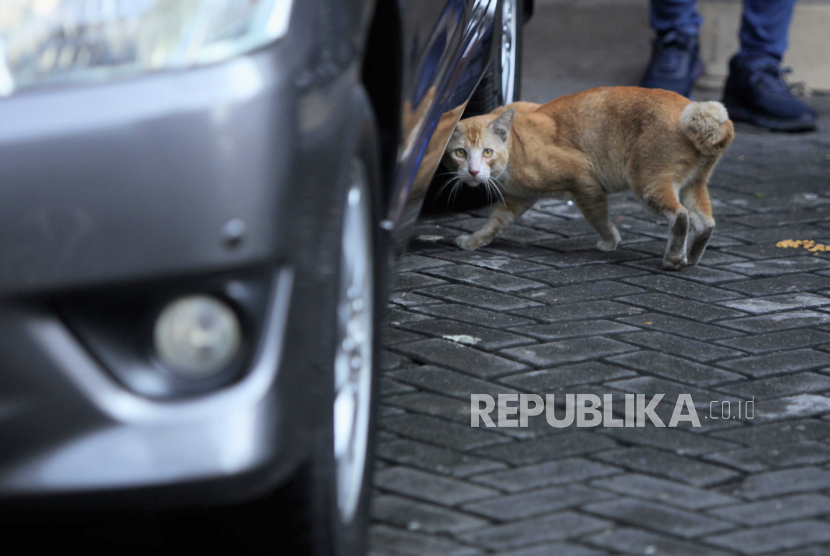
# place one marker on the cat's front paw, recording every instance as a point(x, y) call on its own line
point(608, 245)
point(670, 263)
point(466, 241)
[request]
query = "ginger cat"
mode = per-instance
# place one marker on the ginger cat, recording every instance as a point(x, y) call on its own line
point(587, 145)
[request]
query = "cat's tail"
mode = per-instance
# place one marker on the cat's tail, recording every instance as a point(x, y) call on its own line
point(707, 126)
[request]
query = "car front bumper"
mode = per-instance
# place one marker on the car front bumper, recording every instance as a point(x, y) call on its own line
point(135, 182)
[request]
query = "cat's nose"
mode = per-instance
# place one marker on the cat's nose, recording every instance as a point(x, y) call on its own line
point(474, 173)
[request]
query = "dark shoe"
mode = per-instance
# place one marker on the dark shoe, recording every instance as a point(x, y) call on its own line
point(674, 65)
point(757, 93)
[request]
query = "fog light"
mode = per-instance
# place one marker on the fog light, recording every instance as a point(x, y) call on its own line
point(197, 336)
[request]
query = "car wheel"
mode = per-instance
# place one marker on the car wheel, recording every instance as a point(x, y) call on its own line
point(501, 84)
point(336, 492)
point(323, 510)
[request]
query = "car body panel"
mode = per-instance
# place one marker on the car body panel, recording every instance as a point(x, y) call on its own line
point(134, 182)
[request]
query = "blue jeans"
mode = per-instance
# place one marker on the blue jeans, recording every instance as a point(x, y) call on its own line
point(764, 24)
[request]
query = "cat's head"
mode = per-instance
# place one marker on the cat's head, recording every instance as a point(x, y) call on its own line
point(478, 149)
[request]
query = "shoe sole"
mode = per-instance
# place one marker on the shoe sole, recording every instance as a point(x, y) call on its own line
point(740, 114)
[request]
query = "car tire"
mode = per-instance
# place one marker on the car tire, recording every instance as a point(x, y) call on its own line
point(310, 515)
point(500, 85)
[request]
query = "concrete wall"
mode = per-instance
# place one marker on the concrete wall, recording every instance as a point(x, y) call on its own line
point(808, 55)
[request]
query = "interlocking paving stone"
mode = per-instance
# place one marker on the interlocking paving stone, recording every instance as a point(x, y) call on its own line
point(397, 316)
point(389, 387)
point(674, 368)
point(702, 274)
point(579, 311)
point(779, 386)
point(775, 303)
point(429, 487)
point(417, 262)
point(780, 284)
point(573, 329)
point(428, 403)
point(448, 382)
point(676, 440)
point(458, 410)
point(651, 386)
point(676, 345)
point(681, 327)
point(681, 307)
point(483, 277)
point(787, 481)
point(660, 517)
point(775, 510)
point(518, 506)
point(392, 336)
point(502, 264)
point(409, 299)
point(566, 260)
point(661, 490)
point(581, 292)
point(459, 357)
point(790, 265)
point(778, 321)
point(478, 297)
point(566, 351)
point(408, 281)
point(808, 551)
point(774, 341)
point(419, 516)
point(777, 433)
point(482, 338)
point(553, 527)
point(647, 460)
point(764, 458)
point(557, 548)
point(564, 471)
point(579, 275)
point(563, 445)
point(774, 363)
point(682, 288)
point(406, 543)
point(474, 315)
point(391, 360)
point(636, 541)
point(413, 453)
point(548, 380)
point(800, 405)
point(438, 431)
point(775, 538)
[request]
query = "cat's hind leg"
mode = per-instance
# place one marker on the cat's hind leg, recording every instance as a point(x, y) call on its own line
point(695, 197)
point(664, 201)
point(594, 208)
point(502, 215)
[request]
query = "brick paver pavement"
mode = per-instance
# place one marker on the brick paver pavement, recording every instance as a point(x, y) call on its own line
point(548, 313)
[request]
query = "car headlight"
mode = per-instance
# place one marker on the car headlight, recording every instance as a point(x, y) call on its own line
point(57, 41)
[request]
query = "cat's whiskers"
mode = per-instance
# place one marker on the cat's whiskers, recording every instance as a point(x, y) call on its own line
point(494, 184)
point(455, 176)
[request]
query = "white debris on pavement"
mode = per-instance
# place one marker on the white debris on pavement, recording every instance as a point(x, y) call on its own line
point(462, 339)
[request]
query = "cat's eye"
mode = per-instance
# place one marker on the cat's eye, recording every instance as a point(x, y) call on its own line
point(488, 153)
point(460, 153)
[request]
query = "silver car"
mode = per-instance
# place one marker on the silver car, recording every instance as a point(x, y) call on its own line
point(202, 201)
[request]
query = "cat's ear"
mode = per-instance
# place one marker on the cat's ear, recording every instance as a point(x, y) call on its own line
point(501, 125)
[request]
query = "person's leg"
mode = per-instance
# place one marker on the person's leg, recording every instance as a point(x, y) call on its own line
point(675, 15)
point(674, 64)
point(755, 90)
point(764, 27)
